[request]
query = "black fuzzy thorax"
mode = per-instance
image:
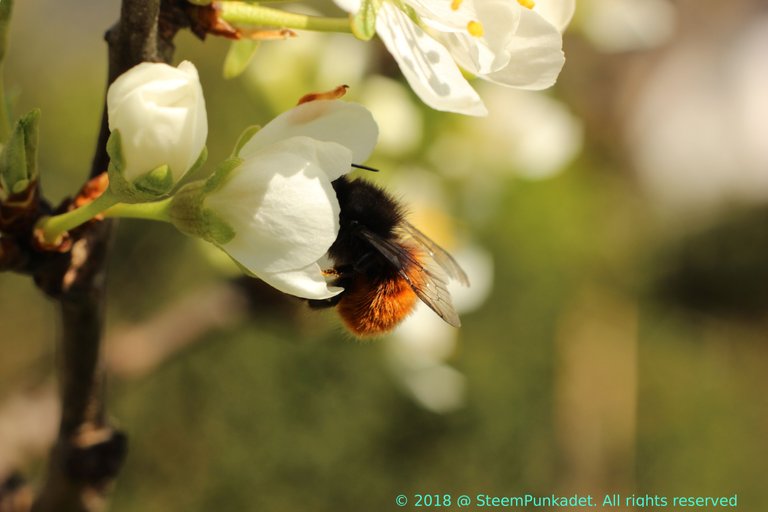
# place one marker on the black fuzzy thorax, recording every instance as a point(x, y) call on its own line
point(364, 206)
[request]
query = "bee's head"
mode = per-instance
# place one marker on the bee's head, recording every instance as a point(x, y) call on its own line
point(365, 204)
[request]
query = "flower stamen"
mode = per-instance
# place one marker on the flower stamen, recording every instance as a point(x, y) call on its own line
point(333, 94)
point(475, 28)
point(528, 4)
point(455, 4)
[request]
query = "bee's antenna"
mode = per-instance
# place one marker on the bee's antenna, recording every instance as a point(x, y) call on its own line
point(365, 167)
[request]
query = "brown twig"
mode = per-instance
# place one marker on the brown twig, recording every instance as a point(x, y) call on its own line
point(28, 419)
point(88, 452)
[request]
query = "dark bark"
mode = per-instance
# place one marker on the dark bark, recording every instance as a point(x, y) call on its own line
point(89, 452)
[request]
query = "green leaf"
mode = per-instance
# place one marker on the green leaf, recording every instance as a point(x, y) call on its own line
point(18, 161)
point(30, 125)
point(13, 161)
point(364, 20)
point(239, 55)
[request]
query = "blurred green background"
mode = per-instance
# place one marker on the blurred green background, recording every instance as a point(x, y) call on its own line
point(620, 349)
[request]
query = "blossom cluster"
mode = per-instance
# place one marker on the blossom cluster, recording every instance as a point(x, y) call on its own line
point(270, 206)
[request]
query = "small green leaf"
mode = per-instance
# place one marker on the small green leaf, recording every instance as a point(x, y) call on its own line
point(13, 161)
point(364, 20)
point(239, 55)
point(18, 161)
point(30, 124)
point(20, 186)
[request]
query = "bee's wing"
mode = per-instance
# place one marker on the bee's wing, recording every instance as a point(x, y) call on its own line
point(426, 279)
point(437, 253)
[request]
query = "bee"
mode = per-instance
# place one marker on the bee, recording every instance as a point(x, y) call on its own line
point(384, 263)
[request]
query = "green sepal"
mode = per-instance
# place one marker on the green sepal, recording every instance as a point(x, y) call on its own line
point(199, 162)
point(153, 185)
point(115, 152)
point(244, 138)
point(238, 57)
point(18, 161)
point(363, 22)
point(157, 182)
point(220, 175)
point(189, 214)
point(128, 192)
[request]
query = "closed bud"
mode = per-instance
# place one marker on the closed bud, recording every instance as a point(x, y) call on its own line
point(159, 125)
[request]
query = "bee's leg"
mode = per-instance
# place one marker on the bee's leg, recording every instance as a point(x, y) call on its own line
point(324, 303)
point(343, 278)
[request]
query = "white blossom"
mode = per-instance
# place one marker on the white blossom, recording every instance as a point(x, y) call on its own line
point(159, 112)
point(512, 43)
point(276, 213)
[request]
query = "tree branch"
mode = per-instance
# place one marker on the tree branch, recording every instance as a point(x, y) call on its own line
point(88, 452)
point(134, 39)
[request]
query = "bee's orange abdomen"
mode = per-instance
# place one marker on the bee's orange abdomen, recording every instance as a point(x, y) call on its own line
point(373, 308)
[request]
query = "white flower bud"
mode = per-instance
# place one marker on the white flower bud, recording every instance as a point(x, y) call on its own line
point(159, 113)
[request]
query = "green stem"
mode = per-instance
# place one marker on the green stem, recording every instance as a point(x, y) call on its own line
point(157, 210)
point(251, 14)
point(54, 227)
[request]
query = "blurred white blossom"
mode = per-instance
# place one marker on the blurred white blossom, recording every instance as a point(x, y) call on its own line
point(624, 25)
point(399, 119)
point(697, 130)
point(526, 133)
point(418, 350)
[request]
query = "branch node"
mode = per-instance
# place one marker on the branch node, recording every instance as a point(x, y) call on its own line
point(95, 455)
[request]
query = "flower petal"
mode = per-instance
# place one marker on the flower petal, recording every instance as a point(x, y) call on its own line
point(348, 124)
point(426, 64)
point(281, 204)
point(535, 55)
point(557, 12)
point(442, 16)
point(351, 6)
point(308, 282)
point(198, 117)
point(489, 52)
point(160, 113)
